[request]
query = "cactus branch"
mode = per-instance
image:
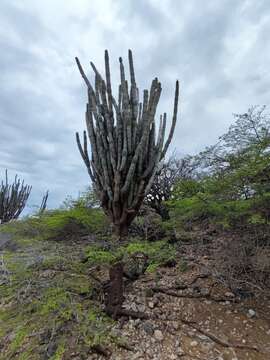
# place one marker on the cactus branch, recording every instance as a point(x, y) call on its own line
point(125, 151)
point(13, 198)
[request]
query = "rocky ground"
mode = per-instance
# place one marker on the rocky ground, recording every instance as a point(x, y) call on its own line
point(203, 321)
point(190, 313)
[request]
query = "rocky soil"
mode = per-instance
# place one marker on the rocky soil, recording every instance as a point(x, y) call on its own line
point(203, 321)
point(190, 313)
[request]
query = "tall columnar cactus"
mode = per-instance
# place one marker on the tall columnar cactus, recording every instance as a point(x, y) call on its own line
point(43, 204)
point(13, 198)
point(125, 150)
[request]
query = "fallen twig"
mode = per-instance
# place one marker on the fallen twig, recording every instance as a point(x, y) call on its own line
point(191, 296)
point(219, 341)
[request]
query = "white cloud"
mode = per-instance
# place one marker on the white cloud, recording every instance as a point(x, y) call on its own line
point(218, 49)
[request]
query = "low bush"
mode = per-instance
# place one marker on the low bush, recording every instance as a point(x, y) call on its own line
point(61, 224)
point(148, 225)
point(158, 253)
point(73, 223)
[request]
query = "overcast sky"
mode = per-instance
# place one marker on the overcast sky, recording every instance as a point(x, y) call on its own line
point(219, 50)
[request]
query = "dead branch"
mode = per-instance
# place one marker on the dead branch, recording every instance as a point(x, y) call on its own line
point(219, 341)
point(171, 292)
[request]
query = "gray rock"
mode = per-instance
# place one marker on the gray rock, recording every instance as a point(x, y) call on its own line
point(158, 335)
point(151, 305)
point(141, 308)
point(251, 313)
point(148, 328)
point(204, 291)
point(175, 325)
point(180, 351)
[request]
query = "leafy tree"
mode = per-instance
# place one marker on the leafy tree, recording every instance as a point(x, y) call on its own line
point(170, 173)
point(251, 128)
point(235, 186)
point(86, 199)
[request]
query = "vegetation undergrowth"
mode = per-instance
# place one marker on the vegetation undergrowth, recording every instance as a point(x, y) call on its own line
point(49, 304)
point(60, 224)
point(159, 253)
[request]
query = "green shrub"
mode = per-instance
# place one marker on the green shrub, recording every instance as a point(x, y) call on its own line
point(159, 253)
point(148, 225)
point(61, 224)
point(89, 220)
point(98, 256)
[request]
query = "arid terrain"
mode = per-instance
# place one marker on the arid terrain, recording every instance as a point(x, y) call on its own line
point(188, 312)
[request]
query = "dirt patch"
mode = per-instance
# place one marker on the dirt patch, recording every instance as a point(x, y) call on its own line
point(194, 325)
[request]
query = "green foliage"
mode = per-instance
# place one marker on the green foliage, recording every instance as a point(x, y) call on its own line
point(90, 220)
point(95, 327)
point(98, 256)
point(186, 188)
point(59, 353)
point(159, 253)
point(256, 219)
point(56, 297)
point(25, 228)
point(148, 225)
point(56, 301)
point(60, 224)
point(236, 190)
point(87, 199)
point(18, 339)
point(151, 268)
point(215, 208)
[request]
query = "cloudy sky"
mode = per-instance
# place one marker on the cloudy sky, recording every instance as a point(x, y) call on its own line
point(219, 50)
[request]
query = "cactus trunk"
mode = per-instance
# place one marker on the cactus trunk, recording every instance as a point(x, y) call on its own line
point(126, 152)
